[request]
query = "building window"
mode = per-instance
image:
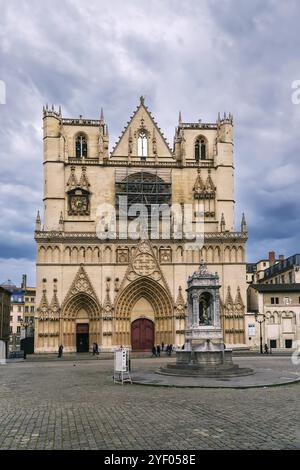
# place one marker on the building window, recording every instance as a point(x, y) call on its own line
point(274, 300)
point(288, 343)
point(290, 277)
point(264, 264)
point(81, 146)
point(26, 309)
point(32, 299)
point(200, 149)
point(18, 329)
point(282, 279)
point(273, 343)
point(19, 308)
point(11, 318)
point(31, 309)
point(142, 145)
point(19, 318)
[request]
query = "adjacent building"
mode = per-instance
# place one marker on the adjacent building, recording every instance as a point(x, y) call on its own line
point(274, 300)
point(22, 312)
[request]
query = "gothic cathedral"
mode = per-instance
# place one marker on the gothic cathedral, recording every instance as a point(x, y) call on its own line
point(97, 283)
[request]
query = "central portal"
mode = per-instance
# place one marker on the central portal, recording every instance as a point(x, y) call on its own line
point(82, 337)
point(142, 335)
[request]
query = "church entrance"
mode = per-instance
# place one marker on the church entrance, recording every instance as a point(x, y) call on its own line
point(82, 337)
point(142, 335)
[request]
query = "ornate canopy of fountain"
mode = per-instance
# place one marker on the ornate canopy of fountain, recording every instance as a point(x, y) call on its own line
point(204, 330)
point(204, 351)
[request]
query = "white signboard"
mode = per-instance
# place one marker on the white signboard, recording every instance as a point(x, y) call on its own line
point(251, 329)
point(121, 360)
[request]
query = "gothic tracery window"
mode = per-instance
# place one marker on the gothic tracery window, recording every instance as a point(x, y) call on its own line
point(200, 149)
point(81, 146)
point(142, 144)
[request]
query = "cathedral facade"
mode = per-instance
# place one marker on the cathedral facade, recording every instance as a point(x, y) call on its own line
point(104, 274)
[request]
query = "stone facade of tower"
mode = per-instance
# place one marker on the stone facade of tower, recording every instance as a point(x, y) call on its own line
point(122, 290)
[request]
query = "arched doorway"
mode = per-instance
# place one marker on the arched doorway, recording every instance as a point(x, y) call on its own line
point(144, 298)
point(81, 323)
point(142, 334)
point(82, 337)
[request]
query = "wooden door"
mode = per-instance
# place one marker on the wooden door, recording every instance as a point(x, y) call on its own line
point(142, 335)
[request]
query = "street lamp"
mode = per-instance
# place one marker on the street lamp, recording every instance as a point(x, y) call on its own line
point(260, 329)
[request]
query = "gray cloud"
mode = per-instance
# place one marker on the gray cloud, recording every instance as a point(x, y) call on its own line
point(200, 57)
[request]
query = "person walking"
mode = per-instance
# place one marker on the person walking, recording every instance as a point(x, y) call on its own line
point(170, 349)
point(94, 349)
point(266, 349)
point(158, 350)
point(60, 350)
point(154, 352)
point(162, 345)
point(97, 349)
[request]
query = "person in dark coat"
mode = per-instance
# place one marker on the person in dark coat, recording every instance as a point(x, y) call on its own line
point(170, 349)
point(162, 345)
point(158, 350)
point(60, 350)
point(154, 352)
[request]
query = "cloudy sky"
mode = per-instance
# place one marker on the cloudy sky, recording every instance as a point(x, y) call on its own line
point(195, 55)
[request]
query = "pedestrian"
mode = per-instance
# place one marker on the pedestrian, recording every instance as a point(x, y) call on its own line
point(158, 350)
point(170, 349)
point(154, 352)
point(97, 348)
point(182, 346)
point(94, 349)
point(266, 349)
point(60, 350)
point(162, 345)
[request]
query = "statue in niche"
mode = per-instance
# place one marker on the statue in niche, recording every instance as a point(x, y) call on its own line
point(205, 313)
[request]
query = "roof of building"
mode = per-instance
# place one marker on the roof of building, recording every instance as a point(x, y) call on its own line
point(281, 266)
point(277, 287)
point(8, 284)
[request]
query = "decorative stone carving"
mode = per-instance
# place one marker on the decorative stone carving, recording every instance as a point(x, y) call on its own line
point(122, 255)
point(165, 255)
point(81, 284)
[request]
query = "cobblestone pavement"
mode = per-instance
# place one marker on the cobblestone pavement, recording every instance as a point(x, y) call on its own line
point(76, 405)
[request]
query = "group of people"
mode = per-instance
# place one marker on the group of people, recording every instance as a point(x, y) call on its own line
point(156, 350)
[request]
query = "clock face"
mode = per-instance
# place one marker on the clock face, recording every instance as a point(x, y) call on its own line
point(79, 204)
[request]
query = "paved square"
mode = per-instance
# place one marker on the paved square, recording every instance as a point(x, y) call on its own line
point(76, 405)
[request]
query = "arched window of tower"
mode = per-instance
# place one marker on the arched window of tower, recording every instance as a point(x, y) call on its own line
point(200, 149)
point(81, 146)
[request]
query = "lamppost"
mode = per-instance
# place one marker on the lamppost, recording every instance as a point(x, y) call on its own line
point(260, 329)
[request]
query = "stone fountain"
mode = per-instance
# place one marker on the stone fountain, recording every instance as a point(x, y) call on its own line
point(204, 352)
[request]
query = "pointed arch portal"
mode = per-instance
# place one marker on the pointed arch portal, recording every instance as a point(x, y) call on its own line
point(130, 329)
point(81, 323)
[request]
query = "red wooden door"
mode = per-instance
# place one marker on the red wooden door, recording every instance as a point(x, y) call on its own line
point(142, 334)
